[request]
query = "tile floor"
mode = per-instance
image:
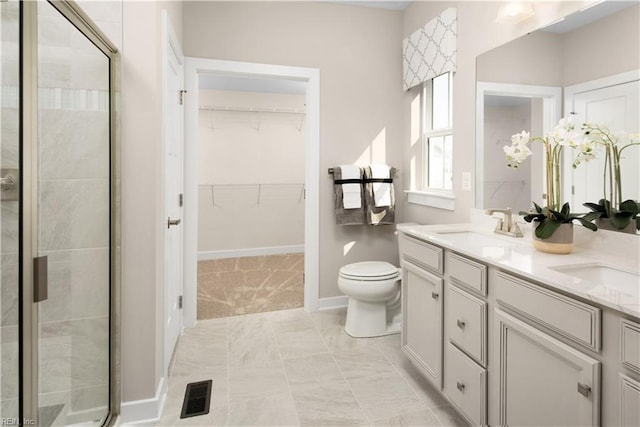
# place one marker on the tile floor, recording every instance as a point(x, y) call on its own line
point(289, 368)
point(233, 286)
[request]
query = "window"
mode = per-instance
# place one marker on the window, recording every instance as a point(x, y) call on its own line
point(437, 138)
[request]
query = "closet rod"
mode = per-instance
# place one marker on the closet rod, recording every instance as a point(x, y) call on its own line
point(253, 110)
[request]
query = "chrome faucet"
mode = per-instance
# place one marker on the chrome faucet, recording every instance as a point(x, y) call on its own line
point(506, 225)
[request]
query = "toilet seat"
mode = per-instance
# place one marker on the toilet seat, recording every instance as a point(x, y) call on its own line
point(369, 271)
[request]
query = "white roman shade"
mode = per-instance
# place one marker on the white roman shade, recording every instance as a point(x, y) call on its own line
point(431, 50)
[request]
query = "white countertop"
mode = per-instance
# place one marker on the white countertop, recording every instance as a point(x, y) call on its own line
point(519, 256)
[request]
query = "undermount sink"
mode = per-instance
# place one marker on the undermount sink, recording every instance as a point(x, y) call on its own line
point(602, 274)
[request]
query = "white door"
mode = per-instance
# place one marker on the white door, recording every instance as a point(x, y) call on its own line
point(173, 189)
point(617, 108)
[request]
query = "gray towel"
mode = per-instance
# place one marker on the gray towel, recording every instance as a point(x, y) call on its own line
point(382, 215)
point(346, 216)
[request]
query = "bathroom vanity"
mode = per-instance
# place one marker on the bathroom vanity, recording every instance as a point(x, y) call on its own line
point(512, 336)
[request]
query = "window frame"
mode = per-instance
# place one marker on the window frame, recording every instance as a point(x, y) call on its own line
point(439, 197)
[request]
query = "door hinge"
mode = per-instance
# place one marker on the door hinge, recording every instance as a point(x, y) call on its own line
point(180, 302)
point(181, 96)
point(181, 199)
point(573, 190)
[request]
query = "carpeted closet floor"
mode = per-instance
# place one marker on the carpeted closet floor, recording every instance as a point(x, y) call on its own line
point(233, 286)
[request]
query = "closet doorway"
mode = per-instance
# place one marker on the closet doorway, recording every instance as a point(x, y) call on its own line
point(250, 195)
point(253, 136)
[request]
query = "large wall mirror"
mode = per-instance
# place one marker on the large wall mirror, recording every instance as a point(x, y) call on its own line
point(587, 64)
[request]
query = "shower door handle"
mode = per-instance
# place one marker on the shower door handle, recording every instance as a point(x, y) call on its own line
point(40, 279)
point(171, 222)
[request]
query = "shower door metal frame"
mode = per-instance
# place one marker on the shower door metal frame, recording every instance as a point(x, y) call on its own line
point(29, 200)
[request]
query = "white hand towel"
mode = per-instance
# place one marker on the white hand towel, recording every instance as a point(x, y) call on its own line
point(351, 193)
point(381, 190)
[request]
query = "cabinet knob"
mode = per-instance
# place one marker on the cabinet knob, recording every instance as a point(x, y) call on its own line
point(460, 324)
point(460, 386)
point(435, 295)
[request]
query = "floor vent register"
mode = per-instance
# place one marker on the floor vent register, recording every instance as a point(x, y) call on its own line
point(197, 399)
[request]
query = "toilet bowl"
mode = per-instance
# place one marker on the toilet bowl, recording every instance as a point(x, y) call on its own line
point(373, 289)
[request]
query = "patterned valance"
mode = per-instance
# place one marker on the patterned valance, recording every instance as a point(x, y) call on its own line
point(431, 50)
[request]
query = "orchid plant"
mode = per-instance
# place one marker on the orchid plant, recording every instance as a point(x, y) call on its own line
point(611, 206)
point(566, 133)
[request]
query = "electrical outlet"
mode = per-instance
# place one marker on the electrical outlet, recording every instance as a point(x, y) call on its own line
point(466, 181)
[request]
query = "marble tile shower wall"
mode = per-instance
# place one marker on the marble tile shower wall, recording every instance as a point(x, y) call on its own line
point(73, 219)
point(9, 214)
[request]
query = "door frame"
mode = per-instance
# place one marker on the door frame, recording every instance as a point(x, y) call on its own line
point(194, 67)
point(569, 93)
point(551, 111)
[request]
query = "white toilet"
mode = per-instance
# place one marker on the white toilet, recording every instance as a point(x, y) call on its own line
point(373, 289)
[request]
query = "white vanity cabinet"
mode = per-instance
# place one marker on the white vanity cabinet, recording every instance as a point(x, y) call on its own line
point(508, 350)
point(422, 306)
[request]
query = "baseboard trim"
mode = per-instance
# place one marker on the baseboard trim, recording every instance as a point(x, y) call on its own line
point(239, 253)
point(146, 410)
point(330, 303)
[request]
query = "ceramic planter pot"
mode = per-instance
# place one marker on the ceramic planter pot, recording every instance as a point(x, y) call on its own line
point(605, 224)
point(560, 242)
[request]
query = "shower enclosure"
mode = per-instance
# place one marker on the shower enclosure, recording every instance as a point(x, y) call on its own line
point(59, 224)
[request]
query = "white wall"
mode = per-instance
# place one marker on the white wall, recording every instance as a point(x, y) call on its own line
point(358, 52)
point(606, 47)
point(142, 205)
point(477, 33)
point(256, 163)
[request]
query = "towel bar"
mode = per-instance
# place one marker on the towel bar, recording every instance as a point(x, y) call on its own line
point(393, 171)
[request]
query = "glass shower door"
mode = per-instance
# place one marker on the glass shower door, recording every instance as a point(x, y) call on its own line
point(9, 211)
point(73, 223)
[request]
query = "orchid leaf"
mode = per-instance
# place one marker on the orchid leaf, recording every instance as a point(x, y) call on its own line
point(629, 206)
point(620, 220)
point(565, 211)
point(592, 215)
point(546, 229)
point(538, 208)
point(594, 207)
point(588, 224)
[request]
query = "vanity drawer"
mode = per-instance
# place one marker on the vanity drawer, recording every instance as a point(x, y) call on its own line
point(630, 345)
point(467, 273)
point(466, 318)
point(421, 253)
point(574, 320)
point(466, 385)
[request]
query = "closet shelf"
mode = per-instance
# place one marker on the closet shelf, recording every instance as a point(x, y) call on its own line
point(254, 109)
point(258, 186)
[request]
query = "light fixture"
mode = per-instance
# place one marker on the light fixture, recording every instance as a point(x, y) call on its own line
point(514, 12)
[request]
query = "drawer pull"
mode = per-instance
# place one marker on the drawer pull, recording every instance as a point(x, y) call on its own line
point(460, 386)
point(435, 296)
point(584, 389)
point(460, 324)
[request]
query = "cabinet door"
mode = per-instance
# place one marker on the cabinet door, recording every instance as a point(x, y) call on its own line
point(422, 320)
point(544, 382)
point(629, 401)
